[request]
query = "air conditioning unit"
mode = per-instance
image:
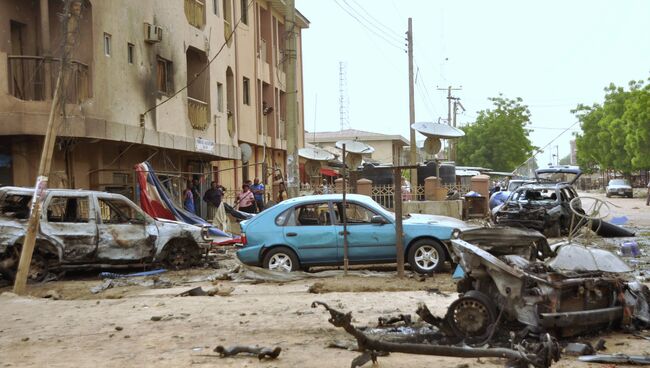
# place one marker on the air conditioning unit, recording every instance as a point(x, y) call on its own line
point(152, 33)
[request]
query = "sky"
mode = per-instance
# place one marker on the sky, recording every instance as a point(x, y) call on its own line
point(553, 54)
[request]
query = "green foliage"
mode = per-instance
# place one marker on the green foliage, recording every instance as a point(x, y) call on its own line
point(616, 134)
point(499, 138)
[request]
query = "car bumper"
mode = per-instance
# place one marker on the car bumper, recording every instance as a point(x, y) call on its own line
point(250, 255)
point(619, 192)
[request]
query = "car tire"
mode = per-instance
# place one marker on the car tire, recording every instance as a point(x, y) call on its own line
point(281, 259)
point(181, 253)
point(426, 256)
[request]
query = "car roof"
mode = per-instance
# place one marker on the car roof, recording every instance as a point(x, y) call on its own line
point(328, 197)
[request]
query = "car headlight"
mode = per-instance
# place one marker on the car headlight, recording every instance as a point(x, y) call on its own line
point(455, 234)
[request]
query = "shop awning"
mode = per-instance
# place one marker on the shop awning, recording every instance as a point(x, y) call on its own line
point(329, 172)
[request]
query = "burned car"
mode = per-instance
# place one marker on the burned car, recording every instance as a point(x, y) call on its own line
point(512, 275)
point(543, 205)
point(83, 229)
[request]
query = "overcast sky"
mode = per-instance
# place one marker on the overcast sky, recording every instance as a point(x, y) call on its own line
point(553, 54)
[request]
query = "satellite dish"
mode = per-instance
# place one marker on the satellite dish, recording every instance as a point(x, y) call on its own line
point(432, 145)
point(437, 130)
point(312, 168)
point(314, 153)
point(353, 161)
point(355, 147)
point(246, 152)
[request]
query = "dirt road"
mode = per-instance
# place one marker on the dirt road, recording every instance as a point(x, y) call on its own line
point(115, 328)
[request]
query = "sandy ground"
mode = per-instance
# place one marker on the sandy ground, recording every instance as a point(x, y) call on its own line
point(115, 328)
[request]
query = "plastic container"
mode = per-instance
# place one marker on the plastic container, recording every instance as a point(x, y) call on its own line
point(630, 249)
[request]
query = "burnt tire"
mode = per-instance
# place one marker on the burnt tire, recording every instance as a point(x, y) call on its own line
point(426, 256)
point(38, 268)
point(471, 315)
point(180, 254)
point(281, 259)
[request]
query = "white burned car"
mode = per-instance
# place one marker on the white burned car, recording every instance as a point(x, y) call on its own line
point(89, 229)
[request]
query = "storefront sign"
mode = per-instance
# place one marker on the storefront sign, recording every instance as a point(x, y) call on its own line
point(204, 145)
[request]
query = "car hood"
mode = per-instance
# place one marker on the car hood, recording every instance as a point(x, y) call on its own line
point(416, 218)
point(183, 225)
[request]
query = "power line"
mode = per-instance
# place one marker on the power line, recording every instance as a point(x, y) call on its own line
point(384, 29)
point(389, 42)
point(548, 144)
point(196, 76)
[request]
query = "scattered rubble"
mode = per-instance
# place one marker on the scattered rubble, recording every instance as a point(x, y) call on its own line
point(260, 352)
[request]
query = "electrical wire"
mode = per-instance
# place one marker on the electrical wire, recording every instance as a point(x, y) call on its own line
point(196, 76)
point(364, 25)
point(548, 144)
point(374, 22)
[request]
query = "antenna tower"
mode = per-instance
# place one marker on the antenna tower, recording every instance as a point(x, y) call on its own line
point(344, 101)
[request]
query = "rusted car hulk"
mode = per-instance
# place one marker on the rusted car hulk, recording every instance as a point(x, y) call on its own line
point(90, 229)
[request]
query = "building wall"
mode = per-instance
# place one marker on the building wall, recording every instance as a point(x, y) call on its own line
point(112, 122)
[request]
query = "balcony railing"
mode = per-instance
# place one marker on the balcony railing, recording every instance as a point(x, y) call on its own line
point(195, 12)
point(198, 113)
point(28, 79)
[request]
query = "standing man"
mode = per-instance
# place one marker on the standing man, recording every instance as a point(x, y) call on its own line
point(258, 191)
point(213, 198)
point(188, 198)
point(196, 193)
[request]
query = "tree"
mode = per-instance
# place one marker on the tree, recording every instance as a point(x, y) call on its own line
point(616, 134)
point(566, 160)
point(498, 139)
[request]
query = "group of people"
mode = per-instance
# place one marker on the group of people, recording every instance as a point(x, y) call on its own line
point(250, 199)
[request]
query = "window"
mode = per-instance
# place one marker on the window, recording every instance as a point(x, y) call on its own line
point(355, 213)
point(117, 211)
point(219, 97)
point(130, 52)
point(215, 7)
point(313, 214)
point(164, 78)
point(244, 11)
point(246, 91)
point(16, 205)
point(107, 44)
point(68, 209)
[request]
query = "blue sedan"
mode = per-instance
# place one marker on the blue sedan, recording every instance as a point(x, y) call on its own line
point(308, 231)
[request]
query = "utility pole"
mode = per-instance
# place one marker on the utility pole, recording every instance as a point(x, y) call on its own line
point(453, 141)
point(292, 102)
point(413, 148)
point(71, 15)
point(449, 103)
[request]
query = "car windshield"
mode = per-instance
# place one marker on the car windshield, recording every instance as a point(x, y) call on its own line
point(619, 182)
point(534, 195)
point(16, 205)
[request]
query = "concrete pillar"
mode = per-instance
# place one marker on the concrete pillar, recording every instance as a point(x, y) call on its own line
point(338, 185)
point(481, 184)
point(433, 189)
point(46, 48)
point(364, 186)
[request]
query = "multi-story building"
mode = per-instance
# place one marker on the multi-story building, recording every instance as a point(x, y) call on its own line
point(387, 148)
point(164, 81)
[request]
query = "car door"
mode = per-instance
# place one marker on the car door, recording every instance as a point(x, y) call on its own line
point(308, 229)
point(67, 219)
point(125, 233)
point(367, 242)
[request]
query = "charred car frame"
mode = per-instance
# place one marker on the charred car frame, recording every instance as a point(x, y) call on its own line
point(90, 229)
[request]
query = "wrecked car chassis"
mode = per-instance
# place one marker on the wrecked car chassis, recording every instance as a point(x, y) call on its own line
point(541, 297)
point(540, 354)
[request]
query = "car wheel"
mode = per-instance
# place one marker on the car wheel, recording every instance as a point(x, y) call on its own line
point(471, 315)
point(38, 268)
point(181, 253)
point(281, 259)
point(426, 256)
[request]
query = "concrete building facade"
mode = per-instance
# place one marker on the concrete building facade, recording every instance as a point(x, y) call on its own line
point(164, 81)
point(388, 148)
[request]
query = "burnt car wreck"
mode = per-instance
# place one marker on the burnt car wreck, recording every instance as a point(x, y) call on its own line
point(89, 229)
point(517, 296)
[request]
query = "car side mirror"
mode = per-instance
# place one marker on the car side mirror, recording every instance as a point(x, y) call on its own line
point(378, 220)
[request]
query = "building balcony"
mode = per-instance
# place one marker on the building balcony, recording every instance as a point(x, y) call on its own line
point(199, 113)
point(33, 78)
point(195, 13)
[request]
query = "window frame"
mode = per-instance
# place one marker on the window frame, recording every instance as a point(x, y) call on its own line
point(108, 44)
point(220, 97)
point(113, 207)
point(290, 213)
point(215, 7)
point(246, 91)
point(52, 199)
point(244, 12)
point(168, 78)
point(339, 222)
point(130, 53)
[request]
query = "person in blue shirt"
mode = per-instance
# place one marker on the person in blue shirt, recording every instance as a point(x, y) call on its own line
point(258, 190)
point(188, 198)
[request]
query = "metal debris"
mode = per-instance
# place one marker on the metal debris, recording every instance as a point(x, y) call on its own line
point(540, 354)
point(616, 359)
point(260, 352)
point(387, 321)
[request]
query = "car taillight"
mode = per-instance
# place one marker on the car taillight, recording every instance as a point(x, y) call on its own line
point(243, 239)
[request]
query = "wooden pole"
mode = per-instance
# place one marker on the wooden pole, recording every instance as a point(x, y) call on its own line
point(413, 146)
point(71, 15)
point(346, 260)
point(292, 103)
point(399, 238)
